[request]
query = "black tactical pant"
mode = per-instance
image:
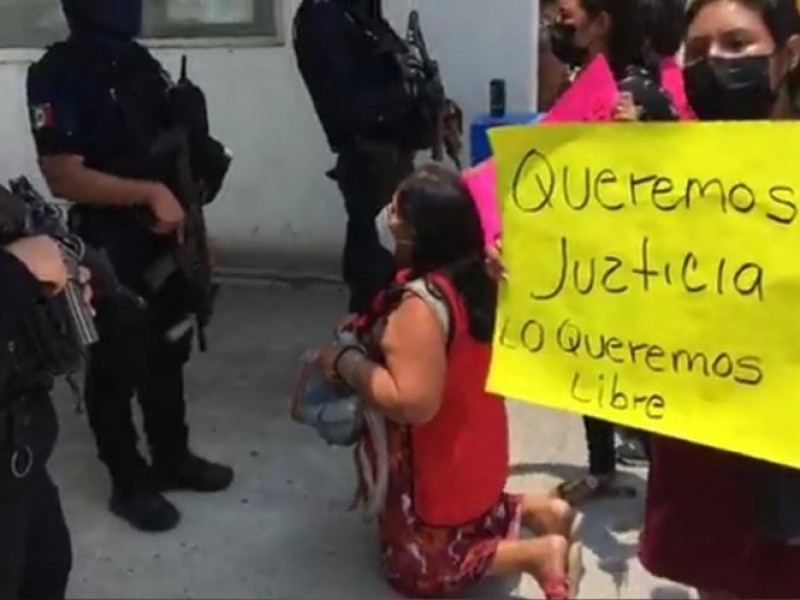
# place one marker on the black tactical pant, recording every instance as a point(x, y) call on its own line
point(134, 358)
point(35, 549)
point(368, 178)
point(600, 441)
point(601, 444)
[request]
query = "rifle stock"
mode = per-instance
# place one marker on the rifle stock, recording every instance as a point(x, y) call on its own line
point(44, 218)
point(56, 331)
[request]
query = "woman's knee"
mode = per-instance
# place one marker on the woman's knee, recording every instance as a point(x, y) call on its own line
point(549, 515)
point(561, 510)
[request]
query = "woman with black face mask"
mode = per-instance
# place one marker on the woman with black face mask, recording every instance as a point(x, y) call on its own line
point(705, 520)
point(739, 77)
point(621, 30)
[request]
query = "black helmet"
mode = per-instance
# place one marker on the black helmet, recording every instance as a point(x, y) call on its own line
point(122, 18)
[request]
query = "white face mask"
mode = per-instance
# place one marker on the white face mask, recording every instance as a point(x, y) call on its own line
point(385, 235)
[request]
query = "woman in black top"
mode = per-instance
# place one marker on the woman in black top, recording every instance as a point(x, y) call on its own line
point(634, 36)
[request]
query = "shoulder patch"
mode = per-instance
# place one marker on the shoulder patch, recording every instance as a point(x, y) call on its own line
point(42, 116)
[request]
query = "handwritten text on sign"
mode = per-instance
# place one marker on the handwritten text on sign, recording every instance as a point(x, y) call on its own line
point(655, 278)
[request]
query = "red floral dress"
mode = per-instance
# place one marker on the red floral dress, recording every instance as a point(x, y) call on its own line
point(423, 561)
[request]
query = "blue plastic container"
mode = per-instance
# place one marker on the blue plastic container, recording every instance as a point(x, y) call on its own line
point(479, 140)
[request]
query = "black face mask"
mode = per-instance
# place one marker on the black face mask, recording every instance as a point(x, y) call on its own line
point(730, 89)
point(564, 47)
point(118, 18)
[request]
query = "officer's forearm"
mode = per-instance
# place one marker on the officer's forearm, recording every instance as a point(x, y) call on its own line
point(69, 178)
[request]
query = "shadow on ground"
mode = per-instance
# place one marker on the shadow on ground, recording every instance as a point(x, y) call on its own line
point(283, 529)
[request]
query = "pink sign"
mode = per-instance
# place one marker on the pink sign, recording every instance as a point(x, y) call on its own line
point(590, 98)
point(672, 81)
point(482, 183)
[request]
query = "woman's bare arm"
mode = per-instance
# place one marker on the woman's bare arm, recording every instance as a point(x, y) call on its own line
point(409, 389)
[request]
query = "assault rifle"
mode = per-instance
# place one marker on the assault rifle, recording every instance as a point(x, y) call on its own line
point(430, 73)
point(208, 157)
point(56, 331)
point(447, 114)
point(193, 165)
point(168, 160)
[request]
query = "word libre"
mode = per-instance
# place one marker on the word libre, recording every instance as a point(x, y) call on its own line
point(654, 279)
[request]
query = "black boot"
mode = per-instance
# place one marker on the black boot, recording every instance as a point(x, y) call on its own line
point(190, 472)
point(145, 509)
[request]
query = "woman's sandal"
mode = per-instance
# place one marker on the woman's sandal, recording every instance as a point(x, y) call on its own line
point(589, 488)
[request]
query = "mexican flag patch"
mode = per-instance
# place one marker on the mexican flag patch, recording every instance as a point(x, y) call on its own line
point(42, 116)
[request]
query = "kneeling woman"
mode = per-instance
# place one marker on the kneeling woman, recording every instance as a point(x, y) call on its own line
point(446, 521)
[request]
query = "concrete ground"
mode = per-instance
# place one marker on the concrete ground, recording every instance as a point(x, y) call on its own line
point(283, 530)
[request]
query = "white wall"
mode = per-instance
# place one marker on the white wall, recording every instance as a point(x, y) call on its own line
point(278, 211)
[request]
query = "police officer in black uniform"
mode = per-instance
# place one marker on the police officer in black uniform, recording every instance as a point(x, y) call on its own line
point(35, 551)
point(353, 65)
point(98, 100)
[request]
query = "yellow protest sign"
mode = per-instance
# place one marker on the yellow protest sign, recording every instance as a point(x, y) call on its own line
point(654, 278)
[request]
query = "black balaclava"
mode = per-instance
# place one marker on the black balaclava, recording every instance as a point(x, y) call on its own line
point(120, 19)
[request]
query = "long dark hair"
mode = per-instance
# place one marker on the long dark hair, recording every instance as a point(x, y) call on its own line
point(665, 25)
point(629, 41)
point(780, 16)
point(448, 238)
